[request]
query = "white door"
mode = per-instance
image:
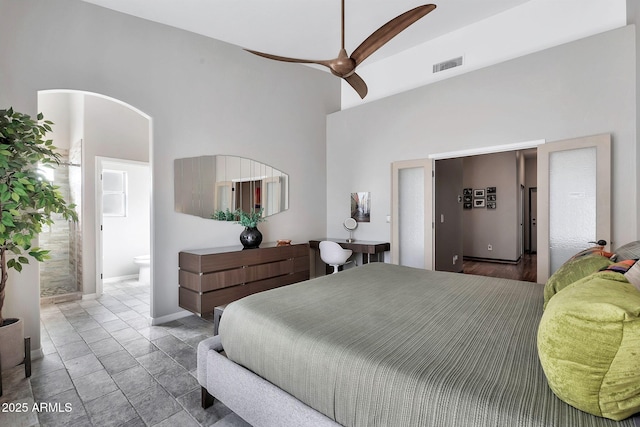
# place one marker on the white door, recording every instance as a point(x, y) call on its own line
point(574, 202)
point(411, 237)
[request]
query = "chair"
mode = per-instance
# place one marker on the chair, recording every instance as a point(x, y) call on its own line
point(332, 253)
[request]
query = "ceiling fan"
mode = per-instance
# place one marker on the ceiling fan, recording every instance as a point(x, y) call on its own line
point(344, 66)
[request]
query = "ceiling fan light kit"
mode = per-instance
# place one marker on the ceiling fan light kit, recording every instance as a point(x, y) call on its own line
point(344, 66)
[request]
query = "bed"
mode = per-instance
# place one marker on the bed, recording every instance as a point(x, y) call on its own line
point(386, 345)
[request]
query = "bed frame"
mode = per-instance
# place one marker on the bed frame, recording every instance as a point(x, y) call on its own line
point(252, 398)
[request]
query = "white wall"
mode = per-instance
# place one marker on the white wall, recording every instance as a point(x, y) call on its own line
point(124, 238)
point(521, 30)
point(57, 108)
point(585, 87)
point(203, 96)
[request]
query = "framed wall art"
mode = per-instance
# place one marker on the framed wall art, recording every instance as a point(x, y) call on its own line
point(478, 203)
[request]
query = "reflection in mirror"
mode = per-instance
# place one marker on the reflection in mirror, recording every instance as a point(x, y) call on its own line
point(214, 185)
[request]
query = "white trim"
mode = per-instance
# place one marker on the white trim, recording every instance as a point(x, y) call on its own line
point(120, 278)
point(89, 296)
point(170, 317)
point(37, 354)
point(488, 150)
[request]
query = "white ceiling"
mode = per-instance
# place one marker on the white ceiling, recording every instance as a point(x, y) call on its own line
point(311, 28)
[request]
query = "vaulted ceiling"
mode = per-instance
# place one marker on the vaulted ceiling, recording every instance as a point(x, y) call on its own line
point(308, 28)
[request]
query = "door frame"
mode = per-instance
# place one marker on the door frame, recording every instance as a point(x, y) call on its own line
point(537, 143)
point(99, 251)
point(531, 191)
point(429, 241)
point(602, 143)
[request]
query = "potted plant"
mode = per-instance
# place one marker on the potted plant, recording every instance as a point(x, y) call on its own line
point(251, 237)
point(27, 202)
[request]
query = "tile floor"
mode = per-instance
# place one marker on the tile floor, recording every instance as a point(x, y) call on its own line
point(104, 365)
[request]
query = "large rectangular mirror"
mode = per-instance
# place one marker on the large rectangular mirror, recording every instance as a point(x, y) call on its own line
point(207, 185)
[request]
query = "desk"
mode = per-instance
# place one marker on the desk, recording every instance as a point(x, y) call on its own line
point(366, 248)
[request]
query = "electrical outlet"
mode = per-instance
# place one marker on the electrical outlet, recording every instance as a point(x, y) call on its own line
point(489, 247)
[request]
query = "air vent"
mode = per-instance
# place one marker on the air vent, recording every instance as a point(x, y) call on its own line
point(451, 63)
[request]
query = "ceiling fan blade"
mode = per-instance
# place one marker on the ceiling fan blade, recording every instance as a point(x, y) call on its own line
point(286, 59)
point(358, 84)
point(388, 31)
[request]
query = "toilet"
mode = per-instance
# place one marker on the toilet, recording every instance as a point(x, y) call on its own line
point(144, 265)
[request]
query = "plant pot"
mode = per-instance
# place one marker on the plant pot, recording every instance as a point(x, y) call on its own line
point(11, 343)
point(251, 238)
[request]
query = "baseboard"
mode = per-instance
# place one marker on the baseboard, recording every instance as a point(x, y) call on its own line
point(37, 354)
point(120, 278)
point(89, 296)
point(170, 317)
point(496, 260)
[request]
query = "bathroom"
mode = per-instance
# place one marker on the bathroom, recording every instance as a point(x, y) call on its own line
point(98, 137)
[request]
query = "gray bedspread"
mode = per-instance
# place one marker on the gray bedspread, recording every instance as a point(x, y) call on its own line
point(384, 345)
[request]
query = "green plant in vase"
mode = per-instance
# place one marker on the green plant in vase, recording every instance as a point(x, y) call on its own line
point(251, 237)
point(27, 200)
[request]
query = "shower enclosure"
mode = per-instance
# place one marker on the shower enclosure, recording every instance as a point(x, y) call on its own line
point(61, 275)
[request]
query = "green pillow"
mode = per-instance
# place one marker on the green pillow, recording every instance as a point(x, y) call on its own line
point(589, 345)
point(571, 271)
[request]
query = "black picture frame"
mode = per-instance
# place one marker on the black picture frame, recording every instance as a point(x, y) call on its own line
point(491, 190)
point(491, 205)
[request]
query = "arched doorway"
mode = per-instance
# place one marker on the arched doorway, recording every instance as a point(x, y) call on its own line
point(88, 126)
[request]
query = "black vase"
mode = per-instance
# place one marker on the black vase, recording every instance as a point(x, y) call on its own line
point(251, 238)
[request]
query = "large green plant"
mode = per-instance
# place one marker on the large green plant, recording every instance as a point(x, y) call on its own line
point(27, 200)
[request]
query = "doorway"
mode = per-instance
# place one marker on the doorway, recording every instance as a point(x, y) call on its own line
point(123, 209)
point(487, 208)
point(89, 126)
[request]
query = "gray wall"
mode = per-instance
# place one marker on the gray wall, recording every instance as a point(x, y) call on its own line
point(496, 227)
point(450, 232)
point(581, 88)
point(203, 97)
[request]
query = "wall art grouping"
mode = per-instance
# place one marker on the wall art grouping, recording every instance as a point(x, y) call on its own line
point(479, 198)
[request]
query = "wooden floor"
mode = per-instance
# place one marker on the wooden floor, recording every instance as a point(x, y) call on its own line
point(523, 270)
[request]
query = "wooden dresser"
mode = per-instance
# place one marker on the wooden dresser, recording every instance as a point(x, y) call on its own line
point(218, 276)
